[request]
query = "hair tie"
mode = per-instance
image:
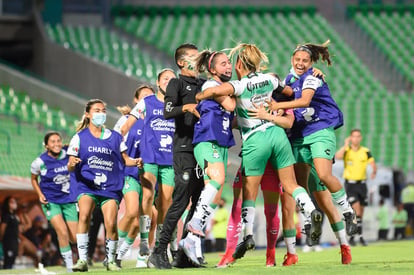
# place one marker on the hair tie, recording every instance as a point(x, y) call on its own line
point(210, 59)
point(302, 48)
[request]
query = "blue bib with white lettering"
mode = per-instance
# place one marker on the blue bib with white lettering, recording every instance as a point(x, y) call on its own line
point(101, 171)
point(214, 124)
point(157, 140)
point(322, 112)
point(54, 178)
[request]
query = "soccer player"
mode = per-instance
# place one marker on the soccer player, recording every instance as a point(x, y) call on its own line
point(132, 191)
point(97, 157)
point(53, 191)
point(156, 153)
point(212, 137)
point(316, 118)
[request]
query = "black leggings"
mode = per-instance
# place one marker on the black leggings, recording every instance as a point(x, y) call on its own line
point(188, 185)
point(10, 253)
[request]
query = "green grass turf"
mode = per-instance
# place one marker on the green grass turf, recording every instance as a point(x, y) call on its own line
point(393, 257)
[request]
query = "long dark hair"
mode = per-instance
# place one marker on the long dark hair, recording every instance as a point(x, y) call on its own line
point(5, 207)
point(316, 51)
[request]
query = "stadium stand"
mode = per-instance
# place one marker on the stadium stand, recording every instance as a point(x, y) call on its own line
point(24, 123)
point(390, 27)
point(106, 46)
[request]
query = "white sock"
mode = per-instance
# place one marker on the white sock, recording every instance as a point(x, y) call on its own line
point(341, 236)
point(123, 249)
point(121, 241)
point(111, 249)
point(303, 201)
point(67, 257)
point(203, 209)
point(144, 227)
point(83, 242)
point(290, 244)
point(248, 214)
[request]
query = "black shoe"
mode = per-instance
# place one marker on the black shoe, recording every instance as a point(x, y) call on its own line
point(174, 254)
point(159, 259)
point(316, 228)
point(181, 261)
point(352, 241)
point(202, 261)
point(246, 244)
point(350, 223)
point(362, 241)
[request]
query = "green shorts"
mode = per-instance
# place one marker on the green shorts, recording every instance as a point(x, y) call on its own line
point(321, 144)
point(99, 200)
point(263, 146)
point(210, 152)
point(164, 173)
point(132, 185)
point(68, 211)
point(314, 183)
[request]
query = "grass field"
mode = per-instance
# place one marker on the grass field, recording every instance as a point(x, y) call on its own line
point(377, 258)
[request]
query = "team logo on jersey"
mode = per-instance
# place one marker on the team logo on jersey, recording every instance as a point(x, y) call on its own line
point(165, 140)
point(95, 162)
point(328, 152)
point(188, 88)
point(99, 179)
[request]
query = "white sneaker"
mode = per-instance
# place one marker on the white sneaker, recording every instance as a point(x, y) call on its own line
point(317, 248)
point(142, 261)
point(306, 249)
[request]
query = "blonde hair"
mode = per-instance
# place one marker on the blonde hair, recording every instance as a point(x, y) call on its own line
point(84, 123)
point(124, 110)
point(316, 51)
point(252, 58)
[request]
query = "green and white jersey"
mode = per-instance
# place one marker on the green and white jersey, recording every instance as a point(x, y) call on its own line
point(254, 88)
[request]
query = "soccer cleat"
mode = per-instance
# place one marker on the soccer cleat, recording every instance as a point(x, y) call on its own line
point(144, 249)
point(346, 254)
point(80, 266)
point(174, 254)
point(241, 248)
point(112, 266)
point(159, 259)
point(307, 229)
point(188, 246)
point(290, 259)
point(195, 231)
point(118, 263)
point(350, 223)
point(141, 261)
point(362, 241)
point(226, 260)
point(316, 228)
point(317, 248)
point(270, 257)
